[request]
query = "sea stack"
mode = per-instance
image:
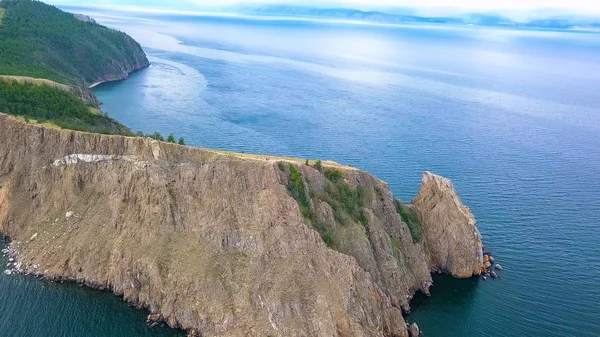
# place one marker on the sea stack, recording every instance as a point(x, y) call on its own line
point(452, 240)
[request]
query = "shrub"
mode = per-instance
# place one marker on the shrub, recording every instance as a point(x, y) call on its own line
point(327, 235)
point(411, 218)
point(281, 166)
point(333, 175)
point(157, 136)
point(298, 191)
point(319, 166)
point(171, 138)
point(181, 141)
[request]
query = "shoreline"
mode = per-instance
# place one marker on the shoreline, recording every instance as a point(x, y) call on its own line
point(11, 253)
point(95, 84)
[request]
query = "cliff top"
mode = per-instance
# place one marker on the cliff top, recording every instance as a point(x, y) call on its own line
point(157, 145)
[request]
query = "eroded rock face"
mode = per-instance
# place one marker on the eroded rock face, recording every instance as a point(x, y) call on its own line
point(214, 241)
point(452, 240)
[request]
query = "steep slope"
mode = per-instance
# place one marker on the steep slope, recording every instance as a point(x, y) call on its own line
point(225, 244)
point(39, 40)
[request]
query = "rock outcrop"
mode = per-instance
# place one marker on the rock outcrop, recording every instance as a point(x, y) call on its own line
point(452, 240)
point(225, 244)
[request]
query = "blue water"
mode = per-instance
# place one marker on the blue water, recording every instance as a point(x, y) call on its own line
point(512, 117)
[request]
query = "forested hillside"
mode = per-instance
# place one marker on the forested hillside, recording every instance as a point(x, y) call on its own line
point(51, 104)
point(39, 40)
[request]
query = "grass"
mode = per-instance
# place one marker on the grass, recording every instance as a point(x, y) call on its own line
point(46, 124)
point(263, 157)
point(281, 166)
point(327, 235)
point(36, 81)
point(411, 218)
point(2, 10)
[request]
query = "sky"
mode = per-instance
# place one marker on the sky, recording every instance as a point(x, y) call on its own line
point(425, 6)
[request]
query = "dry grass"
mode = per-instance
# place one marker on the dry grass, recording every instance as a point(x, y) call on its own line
point(38, 81)
point(35, 122)
point(327, 163)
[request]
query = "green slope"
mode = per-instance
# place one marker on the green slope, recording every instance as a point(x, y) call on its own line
point(43, 103)
point(39, 40)
point(40, 44)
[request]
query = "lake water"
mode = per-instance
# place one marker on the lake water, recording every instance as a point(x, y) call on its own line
point(512, 117)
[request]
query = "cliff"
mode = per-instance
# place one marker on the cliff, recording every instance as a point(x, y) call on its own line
point(228, 244)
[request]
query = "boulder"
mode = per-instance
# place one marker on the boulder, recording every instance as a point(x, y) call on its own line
point(193, 333)
point(413, 330)
point(498, 267)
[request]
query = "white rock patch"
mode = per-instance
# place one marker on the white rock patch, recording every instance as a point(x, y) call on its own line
point(76, 158)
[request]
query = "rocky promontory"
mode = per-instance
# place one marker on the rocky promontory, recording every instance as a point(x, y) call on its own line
point(227, 244)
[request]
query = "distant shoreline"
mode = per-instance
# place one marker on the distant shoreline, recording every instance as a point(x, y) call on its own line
point(96, 84)
point(119, 78)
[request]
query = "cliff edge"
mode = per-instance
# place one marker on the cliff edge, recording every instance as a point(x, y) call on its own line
point(226, 244)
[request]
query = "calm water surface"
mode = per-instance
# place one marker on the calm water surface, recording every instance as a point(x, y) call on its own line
point(512, 117)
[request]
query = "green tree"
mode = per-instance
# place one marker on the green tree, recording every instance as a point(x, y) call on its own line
point(181, 141)
point(319, 166)
point(171, 138)
point(157, 136)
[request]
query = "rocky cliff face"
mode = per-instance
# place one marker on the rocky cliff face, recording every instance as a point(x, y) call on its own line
point(230, 245)
point(452, 240)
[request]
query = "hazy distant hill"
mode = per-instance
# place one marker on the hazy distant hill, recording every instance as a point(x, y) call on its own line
point(485, 19)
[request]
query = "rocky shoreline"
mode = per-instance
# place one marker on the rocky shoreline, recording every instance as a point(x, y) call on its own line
point(119, 77)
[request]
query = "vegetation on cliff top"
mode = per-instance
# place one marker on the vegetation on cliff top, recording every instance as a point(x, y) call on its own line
point(346, 202)
point(45, 104)
point(41, 41)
